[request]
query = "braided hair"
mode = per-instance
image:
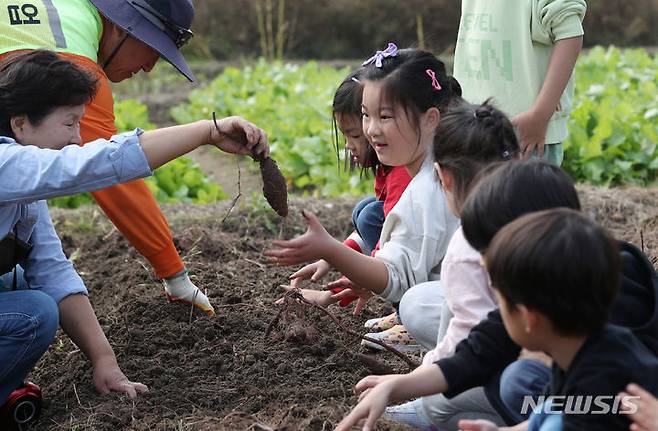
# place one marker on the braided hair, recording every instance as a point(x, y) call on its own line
point(470, 137)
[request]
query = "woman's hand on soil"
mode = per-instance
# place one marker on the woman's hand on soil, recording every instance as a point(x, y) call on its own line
point(313, 245)
point(313, 271)
point(238, 136)
point(108, 377)
point(371, 406)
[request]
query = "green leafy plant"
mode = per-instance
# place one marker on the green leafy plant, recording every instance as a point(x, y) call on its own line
point(73, 201)
point(613, 130)
point(130, 114)
point(293, 104)
point(182, 181)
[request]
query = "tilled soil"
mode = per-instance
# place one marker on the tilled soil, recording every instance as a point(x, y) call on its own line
point(222, 372)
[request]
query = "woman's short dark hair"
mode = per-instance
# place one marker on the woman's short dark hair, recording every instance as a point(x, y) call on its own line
point(36, 83)
point(469, 138)
point(505, 191)
point(557, 262)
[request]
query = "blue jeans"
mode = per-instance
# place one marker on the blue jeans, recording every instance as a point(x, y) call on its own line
point(520, 379)
point(545, 422)
point(28, 323)
point(368, 219)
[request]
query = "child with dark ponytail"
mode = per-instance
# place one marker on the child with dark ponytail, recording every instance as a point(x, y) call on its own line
point(405, 93)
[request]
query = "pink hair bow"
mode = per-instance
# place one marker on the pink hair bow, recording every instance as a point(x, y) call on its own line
point(435, 82)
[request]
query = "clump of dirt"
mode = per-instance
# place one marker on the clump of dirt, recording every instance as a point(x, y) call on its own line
point(223, 372)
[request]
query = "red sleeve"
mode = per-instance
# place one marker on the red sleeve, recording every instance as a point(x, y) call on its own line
point(349, 242)
point(345, 301)
point(396, 182)
point(352, 244)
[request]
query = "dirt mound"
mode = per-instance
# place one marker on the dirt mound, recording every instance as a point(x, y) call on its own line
point(223, 373)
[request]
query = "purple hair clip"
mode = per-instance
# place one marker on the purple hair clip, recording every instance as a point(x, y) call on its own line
point(435, 82)
point(390, 51)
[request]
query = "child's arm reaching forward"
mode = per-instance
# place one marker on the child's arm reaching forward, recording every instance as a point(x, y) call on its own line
point(316, 243)
point(318, 269)
point(531, 125)
point(377, 392)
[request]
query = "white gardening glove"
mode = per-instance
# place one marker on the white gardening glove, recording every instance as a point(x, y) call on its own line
point(180, 288)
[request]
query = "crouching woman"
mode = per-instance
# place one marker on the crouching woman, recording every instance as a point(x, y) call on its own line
point(42, 99)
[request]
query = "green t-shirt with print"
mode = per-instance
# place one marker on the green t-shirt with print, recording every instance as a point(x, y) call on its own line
point(504, 48)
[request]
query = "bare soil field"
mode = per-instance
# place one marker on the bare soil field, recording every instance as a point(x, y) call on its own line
point(224, 372)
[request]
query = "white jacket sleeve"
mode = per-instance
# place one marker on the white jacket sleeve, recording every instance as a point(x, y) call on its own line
point(409, 260)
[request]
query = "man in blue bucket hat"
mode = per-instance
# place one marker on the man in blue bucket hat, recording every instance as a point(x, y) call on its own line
point(115, 39)
point(162, 25)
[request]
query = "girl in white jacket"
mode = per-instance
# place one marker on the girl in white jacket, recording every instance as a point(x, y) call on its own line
point(403, 96)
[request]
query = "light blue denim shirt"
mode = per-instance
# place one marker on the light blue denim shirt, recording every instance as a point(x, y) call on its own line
point(29, 174)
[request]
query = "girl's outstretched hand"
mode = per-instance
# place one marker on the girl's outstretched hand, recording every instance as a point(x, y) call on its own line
point(313, 271)
point(238, 136)
point(313, 245)
point(350, 290)
point(319, 297)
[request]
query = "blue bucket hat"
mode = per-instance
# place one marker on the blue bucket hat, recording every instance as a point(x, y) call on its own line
point(164, 25)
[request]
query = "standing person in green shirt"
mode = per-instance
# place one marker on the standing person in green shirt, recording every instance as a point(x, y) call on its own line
point(522, 53)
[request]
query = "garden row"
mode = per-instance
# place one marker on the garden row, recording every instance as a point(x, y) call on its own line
point(613, 127)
